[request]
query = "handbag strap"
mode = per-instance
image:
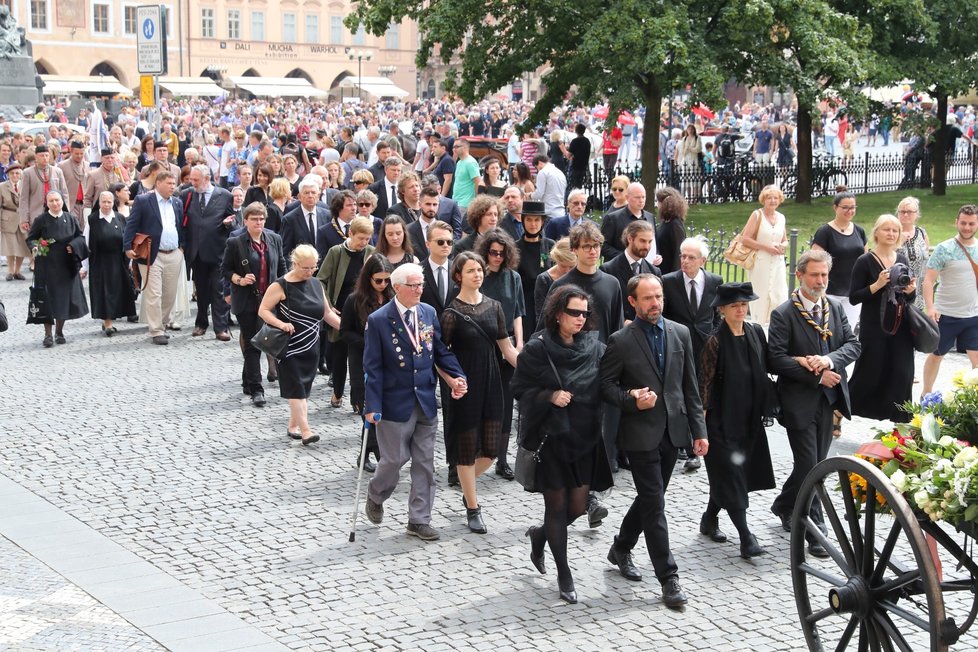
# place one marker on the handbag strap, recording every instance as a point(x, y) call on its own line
point(554, 368)
point(469, 319)
point(974, 267)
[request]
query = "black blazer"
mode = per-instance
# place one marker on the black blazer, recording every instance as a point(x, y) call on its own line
point(430, 293)
point(450, 213)
point(145, 218)
point(206, 232)
point(245, 298)
point(295, 229)
point(798, 389)
point(621, 269)
point(402, 212)
point(416, 233)
point(613, 225)
point(508, 224)
point(676, 307)
point(379, 188)
point(628, 364)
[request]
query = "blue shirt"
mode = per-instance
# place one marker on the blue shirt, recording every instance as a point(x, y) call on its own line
point(656, 336)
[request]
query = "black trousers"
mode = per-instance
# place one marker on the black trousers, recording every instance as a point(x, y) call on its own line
point(210, 294)
point(651, 471)
point(809, 446)
point(338, 352)
point(506, 373)
point(251, 374)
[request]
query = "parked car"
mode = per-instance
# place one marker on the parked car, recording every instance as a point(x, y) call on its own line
point(34, 127)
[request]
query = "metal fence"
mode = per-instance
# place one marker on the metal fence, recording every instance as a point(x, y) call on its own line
point(743, 179)
point(718, 240)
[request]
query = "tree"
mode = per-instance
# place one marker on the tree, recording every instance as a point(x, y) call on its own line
point(625, 52)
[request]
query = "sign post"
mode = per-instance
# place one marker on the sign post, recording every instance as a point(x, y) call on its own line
point(151, 56)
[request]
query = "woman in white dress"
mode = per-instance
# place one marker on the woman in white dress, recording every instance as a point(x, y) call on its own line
point(765, 232)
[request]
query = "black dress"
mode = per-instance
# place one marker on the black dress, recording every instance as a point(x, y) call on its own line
point(573, 454)
point(785, 154)
point(534, 260)
point(57, 270)
point(734, 390)
point(109, 283)
point(668, 238)
point(883, 377)
point(473, 423)
point(845, 250)
point(351, 330)
point(303, 306)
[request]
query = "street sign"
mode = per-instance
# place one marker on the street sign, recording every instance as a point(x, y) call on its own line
point(151, 39)
point(147, 94)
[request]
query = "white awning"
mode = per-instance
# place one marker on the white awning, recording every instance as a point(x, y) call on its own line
point(191, 86)
point(277, 86)
point(376, 86)
point(79, 84)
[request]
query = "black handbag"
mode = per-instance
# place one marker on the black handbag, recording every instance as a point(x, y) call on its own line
point(926, 335)
point(38, 308)
point(271, 340)
point(527, 459)
point(3, 318)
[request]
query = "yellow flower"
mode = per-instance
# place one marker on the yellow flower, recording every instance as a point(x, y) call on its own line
point(916, 421)
point(958, 378)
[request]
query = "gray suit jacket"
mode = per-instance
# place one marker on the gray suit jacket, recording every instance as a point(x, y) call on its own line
point(207, 234)
point(628, 364)
point(790, 335)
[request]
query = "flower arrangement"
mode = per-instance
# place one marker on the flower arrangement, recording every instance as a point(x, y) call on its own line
point(44, 246)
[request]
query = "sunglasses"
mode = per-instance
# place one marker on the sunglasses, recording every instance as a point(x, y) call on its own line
point(443, 243)
point(617, 190)
point(572, 312)
point(365, 203)
point(380, 281)
point(359, 183)
point(496, 254)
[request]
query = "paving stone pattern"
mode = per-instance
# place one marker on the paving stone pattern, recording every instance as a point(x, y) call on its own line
point(157, 449)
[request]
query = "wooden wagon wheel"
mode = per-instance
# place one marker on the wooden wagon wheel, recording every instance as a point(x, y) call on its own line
point(878, 589)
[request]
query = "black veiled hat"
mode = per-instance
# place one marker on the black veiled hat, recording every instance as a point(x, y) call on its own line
point(733, 293)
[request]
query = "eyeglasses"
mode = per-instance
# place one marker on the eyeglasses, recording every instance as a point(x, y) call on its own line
point(578, 203)
point(256, 219)
point(414, 286)
point(590, 247)
point(495, 253)
point(380, 281)
point(366, 204)
point(573, 312)
point(443, 243)
point(613, 189)
point(359, 183)
point(307, 269)
point(848, 209)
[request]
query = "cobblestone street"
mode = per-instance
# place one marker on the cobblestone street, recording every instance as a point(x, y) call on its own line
point(145, 504)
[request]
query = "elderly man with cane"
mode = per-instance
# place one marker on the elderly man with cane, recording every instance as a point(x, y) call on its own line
point(402, 351)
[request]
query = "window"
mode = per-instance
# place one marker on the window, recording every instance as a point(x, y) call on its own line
point(100, 18)
point(360, 37)
point(129, 20)
point(207, 23)
point(312, 28)
point(393, 39)
point(258, 26)
point(39, 14)
point(288, 28)
point(336, 30)
point(234, 24)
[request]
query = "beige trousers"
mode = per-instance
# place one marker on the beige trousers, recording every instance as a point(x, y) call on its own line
point(166, 272)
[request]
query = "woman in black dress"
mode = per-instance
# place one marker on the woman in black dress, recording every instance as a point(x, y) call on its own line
point(302, 307)
point(473, 326)
point(259, 191)
point(671, 232)
point(57, 269)
point(110, 286)
point(735, 387)
point(534, 252)
point(373, 290)
point(883, 378)
point(561, 417)
point(785, 146)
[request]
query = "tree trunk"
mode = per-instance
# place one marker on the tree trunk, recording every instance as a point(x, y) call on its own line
point(803, 189)
point(940, 146)
point(650, 141)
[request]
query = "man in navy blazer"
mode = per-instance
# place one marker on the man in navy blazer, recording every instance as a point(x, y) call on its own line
point(209, 218)
point(558, 227)
point(160, 216)
point(448, 210)
point(402, 352)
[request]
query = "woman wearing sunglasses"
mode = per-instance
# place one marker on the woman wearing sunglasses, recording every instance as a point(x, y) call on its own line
point(558, 385)
point(372, 290)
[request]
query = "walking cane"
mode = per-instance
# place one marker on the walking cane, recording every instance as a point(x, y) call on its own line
point(363, 457)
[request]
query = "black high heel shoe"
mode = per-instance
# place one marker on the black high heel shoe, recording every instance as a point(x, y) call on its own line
point(536, 558)
point(567, 592)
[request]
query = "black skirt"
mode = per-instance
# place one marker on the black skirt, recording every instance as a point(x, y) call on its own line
point(591, 469)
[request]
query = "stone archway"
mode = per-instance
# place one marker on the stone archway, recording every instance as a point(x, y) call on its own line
point(42, 67)
point(109, 70)
point(250, 72)
point(299, 73)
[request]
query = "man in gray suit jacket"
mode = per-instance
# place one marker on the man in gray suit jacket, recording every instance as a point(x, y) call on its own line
point(809, 346)
point(209, 213)
point(648, 372)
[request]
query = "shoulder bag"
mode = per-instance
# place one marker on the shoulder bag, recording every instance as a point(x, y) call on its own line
point(38, 308)
point(3, 318)
point(924, 330)
point(527, 459)
point(737, 253)
point(271, 340)
point(142, 246)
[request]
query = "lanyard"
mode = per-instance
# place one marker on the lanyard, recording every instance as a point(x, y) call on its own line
point(415, 341)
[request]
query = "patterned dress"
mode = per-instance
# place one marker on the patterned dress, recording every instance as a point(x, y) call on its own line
point(915, 249)
point(304, 306)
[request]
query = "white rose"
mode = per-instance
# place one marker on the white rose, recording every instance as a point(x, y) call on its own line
point(970, 377)
point(966, 456)
point(921, 498)
point(945, 441)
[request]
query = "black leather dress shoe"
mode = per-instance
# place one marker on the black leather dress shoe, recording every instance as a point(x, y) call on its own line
point(504, 471)
point(672, 593)
point(474, 517)
point(785, 520)
point(710, 526)
point(536, 549)
point(258, 399)
point(623, 462)
point(368, 466)
point(815, 549)
point(623, 560)
point(692, 464)
point(750, 548)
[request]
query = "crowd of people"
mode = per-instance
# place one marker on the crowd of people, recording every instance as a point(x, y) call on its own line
point(448, 288)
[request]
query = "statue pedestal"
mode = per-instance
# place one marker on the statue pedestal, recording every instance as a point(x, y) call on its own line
point(18, 86)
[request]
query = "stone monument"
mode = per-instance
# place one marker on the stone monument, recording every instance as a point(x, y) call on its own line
point(20, 85)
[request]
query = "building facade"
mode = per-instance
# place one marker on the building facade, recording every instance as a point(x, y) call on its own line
point(218, 39)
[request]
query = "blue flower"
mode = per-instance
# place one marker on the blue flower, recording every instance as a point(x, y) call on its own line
point(929, 401)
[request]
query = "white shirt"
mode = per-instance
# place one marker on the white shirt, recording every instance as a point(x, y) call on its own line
point(435, 267)
point(699, 281)
point(401, 309)
point(169, 239)
point(551, 186)
point(809, 305)
point(391, 190)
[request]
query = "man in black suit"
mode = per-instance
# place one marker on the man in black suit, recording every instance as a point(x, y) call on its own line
point(809, 346)
point(302, 225)
point(249, 277)
point(386, 187)
point(418, 230)
point(648, 373)
point(448, 209)
point(512, 221)
point(689, 293)
point(383, 150)
point(160, 216)
point(209, 218)
point(639, 237)
point(409, 193)
point(613, 224)
point(559, 227)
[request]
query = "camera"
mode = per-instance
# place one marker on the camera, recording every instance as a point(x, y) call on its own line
point(900, 276)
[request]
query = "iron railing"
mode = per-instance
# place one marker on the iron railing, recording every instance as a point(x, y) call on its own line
point(718, 239)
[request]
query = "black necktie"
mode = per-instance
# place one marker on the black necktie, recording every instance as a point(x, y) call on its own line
point(636, 268)
point(693, 299)
point(346, 229)
point(312, 230)
point(393, 200)
point(201, 202)
point(442, 286)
